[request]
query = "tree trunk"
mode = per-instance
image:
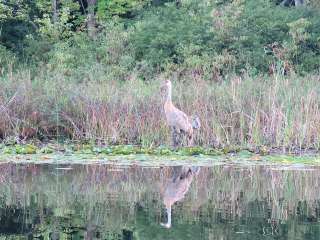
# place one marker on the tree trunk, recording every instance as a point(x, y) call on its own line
point(91, 20)
point(55, 12)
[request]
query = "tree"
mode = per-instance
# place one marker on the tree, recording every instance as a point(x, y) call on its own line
point(55, 13)
point(16, 21)
point(91, 19)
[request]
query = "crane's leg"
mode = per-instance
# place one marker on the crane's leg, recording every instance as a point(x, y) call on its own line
point(190, 139)
point(175, 136)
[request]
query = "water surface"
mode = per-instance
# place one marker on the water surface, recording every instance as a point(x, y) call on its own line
point(105, 201)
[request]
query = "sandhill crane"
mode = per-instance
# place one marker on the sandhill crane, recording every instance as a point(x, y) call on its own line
point(178, 121)
point(176, 189)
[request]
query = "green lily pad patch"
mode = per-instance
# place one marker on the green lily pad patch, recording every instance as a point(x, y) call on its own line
point(132, 153)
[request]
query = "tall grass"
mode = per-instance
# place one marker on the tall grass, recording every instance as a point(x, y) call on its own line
point(273, 111)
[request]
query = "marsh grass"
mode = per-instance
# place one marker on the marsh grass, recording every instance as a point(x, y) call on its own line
point(276, 111)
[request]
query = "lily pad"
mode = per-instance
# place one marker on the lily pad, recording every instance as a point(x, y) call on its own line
point(46, 150)
point(26, 149)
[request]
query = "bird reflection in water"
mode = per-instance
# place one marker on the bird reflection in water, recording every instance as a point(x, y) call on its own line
point(176, 188)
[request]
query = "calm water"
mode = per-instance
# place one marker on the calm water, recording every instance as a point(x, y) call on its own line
point(110, 202)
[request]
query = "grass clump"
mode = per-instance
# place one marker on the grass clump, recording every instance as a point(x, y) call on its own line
point(20, 149)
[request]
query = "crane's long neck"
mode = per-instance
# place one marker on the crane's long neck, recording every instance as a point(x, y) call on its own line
point(169, 94)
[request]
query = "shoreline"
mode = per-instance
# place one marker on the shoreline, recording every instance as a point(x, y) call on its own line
point(150, 156)
point(32, 147)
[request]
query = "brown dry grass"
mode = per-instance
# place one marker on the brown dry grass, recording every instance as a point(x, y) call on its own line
point(273, 111)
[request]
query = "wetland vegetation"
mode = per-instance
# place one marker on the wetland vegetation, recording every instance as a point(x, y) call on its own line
point(84, 147)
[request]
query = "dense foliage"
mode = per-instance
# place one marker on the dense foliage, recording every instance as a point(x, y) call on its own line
point(211, 38)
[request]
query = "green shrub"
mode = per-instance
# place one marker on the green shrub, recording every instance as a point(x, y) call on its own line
point(162, 32)
point(7, 58)
point(211, 39)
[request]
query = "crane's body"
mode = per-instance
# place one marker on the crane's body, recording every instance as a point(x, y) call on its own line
point(177, 120)
point(176, 189)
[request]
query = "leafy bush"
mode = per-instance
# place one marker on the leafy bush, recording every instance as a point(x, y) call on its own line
point(208, 38)
point(242, 30)
point(162, 32)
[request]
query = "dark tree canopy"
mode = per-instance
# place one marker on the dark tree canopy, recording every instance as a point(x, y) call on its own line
point(221, 35)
